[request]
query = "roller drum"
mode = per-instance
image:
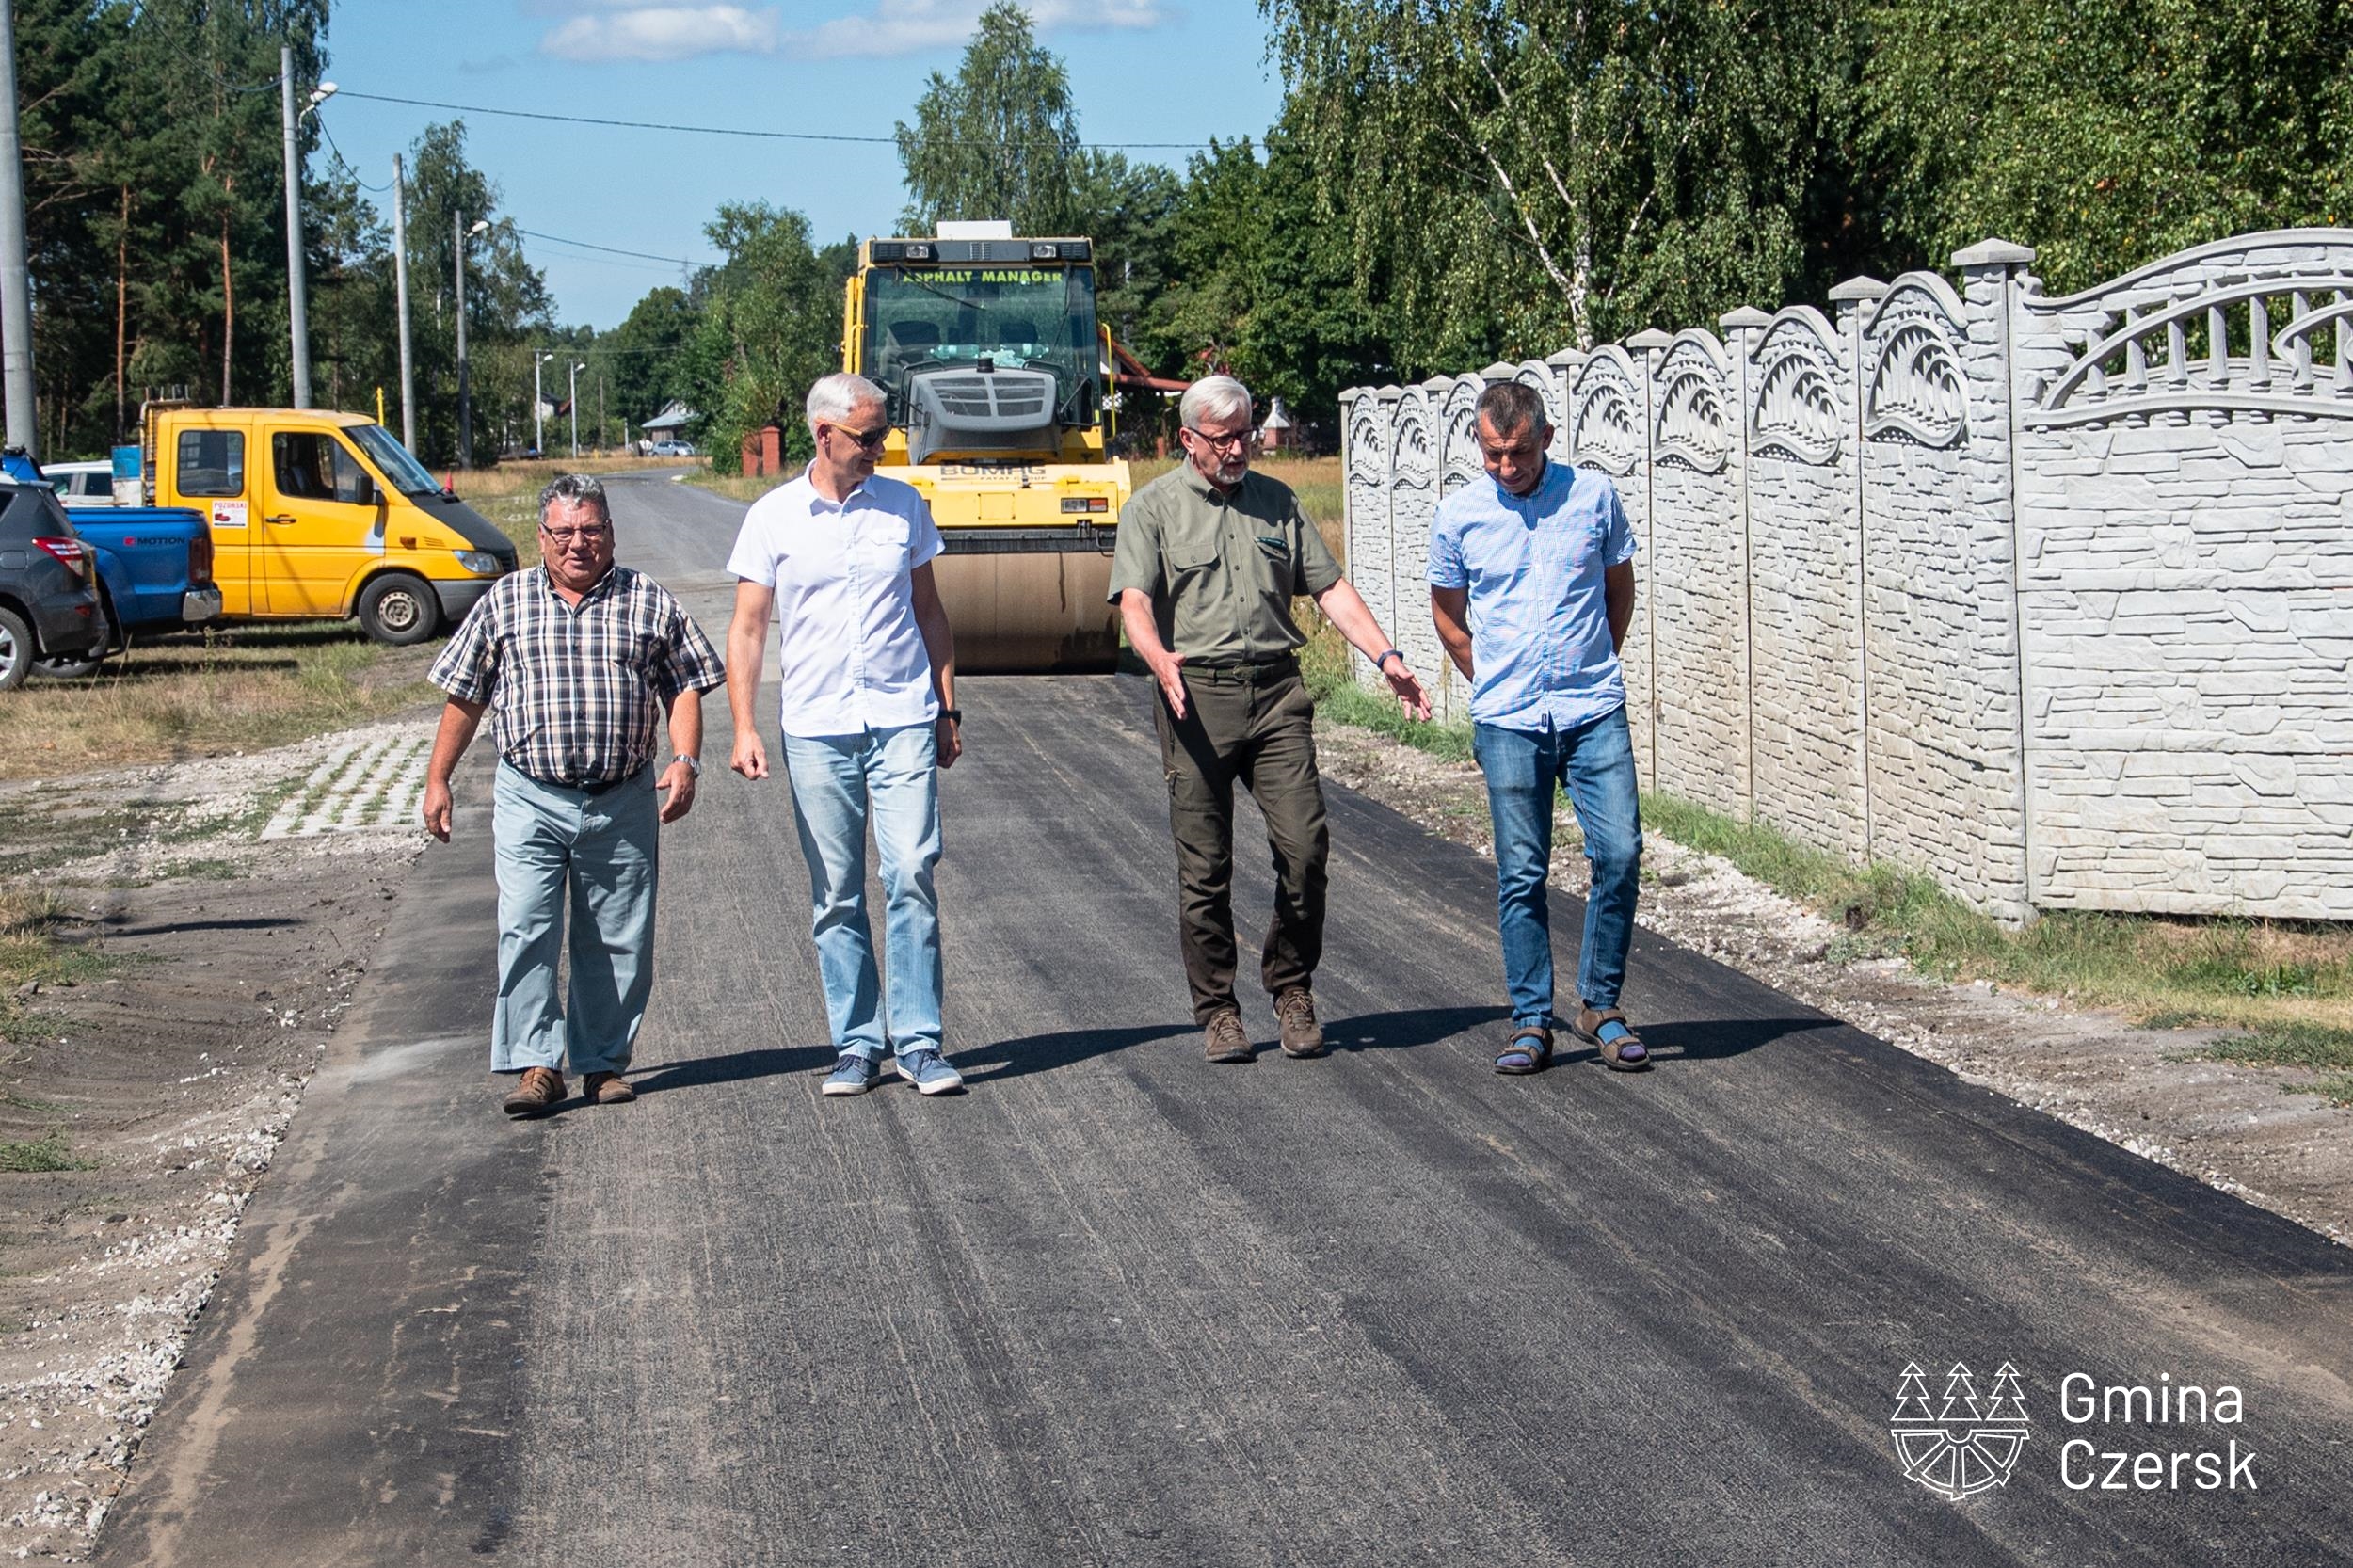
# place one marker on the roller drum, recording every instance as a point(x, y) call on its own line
point(1038, 611)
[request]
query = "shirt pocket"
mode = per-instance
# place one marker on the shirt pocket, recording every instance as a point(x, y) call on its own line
point(883, 545)
point(1191, 555)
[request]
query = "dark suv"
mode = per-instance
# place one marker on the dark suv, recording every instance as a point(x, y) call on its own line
point(48, 594)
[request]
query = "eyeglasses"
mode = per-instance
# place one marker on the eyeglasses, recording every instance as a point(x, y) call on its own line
point(1236, 441)
point(567, 538)
point(866, 441)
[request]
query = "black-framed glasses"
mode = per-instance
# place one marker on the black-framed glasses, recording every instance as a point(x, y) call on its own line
point(565, 536)
point(866, 441)
point(1236, 441)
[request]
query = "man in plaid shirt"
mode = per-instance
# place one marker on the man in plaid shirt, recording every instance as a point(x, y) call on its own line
point(572, 659)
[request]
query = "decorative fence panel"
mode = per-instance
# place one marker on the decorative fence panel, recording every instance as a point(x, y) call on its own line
point(2050, 598)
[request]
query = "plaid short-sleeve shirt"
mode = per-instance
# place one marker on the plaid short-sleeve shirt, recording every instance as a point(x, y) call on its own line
point(575, 692)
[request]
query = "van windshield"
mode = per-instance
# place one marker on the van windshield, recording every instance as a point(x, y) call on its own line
point(406, 473)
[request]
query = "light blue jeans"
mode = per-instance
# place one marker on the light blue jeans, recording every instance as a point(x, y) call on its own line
point(1526, 770)
point(603, 851)
point(841, 783)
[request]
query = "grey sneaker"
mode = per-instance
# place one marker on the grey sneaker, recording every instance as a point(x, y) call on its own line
point(1296, 1012)
point(929, 1072)
point(1224, 1040)
point(852, 1075)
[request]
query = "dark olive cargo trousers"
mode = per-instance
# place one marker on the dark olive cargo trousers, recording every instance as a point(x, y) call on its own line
point(1255, 725)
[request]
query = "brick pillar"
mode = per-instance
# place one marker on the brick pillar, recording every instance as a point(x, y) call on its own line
point(751, 453)
point(772, 448)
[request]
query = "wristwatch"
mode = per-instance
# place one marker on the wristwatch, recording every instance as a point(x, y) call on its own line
point(694, 763)
point(955, 713)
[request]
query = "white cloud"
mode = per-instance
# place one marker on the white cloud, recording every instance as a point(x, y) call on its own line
point(663, 33)
point(603, 30)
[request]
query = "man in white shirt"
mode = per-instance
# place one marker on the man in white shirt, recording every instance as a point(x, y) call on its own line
point(842, 559)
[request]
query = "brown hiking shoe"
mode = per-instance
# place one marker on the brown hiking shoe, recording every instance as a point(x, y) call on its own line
point(1223, 1038)
point(541, 1089)
point(1296, 1012)
point(607, 1089)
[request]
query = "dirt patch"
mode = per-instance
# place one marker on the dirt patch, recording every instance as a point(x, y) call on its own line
point(2245, 1130)
point(219, 913)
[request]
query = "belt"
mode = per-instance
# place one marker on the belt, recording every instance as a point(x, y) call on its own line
point(1253, 671)
point(596, 787)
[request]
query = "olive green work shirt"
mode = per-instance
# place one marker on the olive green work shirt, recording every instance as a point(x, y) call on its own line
point(1221, 570)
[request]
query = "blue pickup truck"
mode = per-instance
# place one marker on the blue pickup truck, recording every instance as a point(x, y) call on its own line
point(154, 569)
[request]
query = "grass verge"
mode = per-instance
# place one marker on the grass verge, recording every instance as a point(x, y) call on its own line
point(197, 693)
point(739, 486)
point(2312, 1046)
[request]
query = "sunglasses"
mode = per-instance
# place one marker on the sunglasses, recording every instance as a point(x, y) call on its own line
point(866, 441)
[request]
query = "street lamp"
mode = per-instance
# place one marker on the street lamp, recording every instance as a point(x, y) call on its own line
point(574, 399)
point(465, 387)
point(539, 404)
point(297, 285)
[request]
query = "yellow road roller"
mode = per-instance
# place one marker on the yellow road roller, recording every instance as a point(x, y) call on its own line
point(1000, 383)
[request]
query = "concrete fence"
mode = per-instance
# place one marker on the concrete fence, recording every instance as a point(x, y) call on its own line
point(2050, 598)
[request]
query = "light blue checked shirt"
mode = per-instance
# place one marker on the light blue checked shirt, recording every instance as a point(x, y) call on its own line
point(1540, 627)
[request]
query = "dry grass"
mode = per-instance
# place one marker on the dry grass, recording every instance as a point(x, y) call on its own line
point(1316, 480)
point(197, 693)
point(530, 477)
point(741, 486)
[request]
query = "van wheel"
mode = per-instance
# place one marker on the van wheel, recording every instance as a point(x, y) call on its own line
point(16, 650)
point(73, 666)
point(399, 609)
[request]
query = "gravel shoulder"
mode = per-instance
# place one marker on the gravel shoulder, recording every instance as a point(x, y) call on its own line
point(2245, 1130)
point(167, 1079)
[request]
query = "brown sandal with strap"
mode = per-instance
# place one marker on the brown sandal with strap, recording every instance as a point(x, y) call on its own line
point(1516, 1057)
point(1623, 1052)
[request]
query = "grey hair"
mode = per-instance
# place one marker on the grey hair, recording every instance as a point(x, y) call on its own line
point(576, 489)
point(1212, 398)
point(835, 397)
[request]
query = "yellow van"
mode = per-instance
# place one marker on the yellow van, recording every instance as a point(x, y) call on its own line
point(316, 514)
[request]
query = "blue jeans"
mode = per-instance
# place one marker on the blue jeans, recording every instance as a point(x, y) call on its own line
point(602, 849)
point(841, 783)
point(1525, 769)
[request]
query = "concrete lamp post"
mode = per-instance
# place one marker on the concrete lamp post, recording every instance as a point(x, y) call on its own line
point(572, 397)
point(539, 404)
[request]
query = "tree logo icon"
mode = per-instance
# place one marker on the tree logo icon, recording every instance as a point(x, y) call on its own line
point(1964, 1443)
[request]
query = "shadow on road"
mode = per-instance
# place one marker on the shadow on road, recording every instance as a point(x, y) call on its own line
point(1041, 1054)
point(1697, 1039)
point(734, 1067)
point(1407, 1027)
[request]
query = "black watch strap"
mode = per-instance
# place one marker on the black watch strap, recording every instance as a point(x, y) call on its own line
point(955, 713)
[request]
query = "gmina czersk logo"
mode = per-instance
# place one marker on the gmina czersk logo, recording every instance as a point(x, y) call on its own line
point(1966, 1443)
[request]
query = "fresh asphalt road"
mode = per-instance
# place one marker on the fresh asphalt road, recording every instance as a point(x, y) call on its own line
point(1119, 1305)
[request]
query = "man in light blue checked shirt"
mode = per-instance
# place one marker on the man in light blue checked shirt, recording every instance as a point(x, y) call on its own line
point(1531, 584)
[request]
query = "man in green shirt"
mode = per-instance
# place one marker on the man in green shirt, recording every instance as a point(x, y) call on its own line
point(1208, 559)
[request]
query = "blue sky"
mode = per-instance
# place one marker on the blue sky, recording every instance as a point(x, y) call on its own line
point(1142, 70)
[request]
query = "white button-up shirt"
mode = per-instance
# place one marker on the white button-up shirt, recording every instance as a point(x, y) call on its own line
point(850, 655)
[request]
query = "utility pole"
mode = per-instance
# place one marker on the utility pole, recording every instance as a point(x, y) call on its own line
point(16, 286)
point(599, 412)
point(297, 308)
point(574, 400)
point(400, 286)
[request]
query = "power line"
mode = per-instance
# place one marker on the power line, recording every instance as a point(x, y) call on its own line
point(722, 130)
point(643, 255)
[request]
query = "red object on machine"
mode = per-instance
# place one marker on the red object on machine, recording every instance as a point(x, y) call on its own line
point(1131, 373)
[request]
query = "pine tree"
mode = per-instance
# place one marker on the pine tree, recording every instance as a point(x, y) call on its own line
point(1912, 1399)
point(1961, 1395)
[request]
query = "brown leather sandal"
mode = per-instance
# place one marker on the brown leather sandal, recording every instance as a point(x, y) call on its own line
point(1623, 1051)
point(1529, 1050)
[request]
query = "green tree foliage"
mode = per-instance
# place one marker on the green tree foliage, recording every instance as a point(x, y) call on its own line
point(2108, 135)
point(769, 326)
point(1001, 140)
point(644, 357)
point(1531, 172)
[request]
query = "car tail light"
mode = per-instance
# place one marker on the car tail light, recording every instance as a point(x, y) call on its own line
point(201, 561)
point(68, 552)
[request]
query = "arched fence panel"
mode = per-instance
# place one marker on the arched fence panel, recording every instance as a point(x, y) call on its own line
point(2051, 598)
